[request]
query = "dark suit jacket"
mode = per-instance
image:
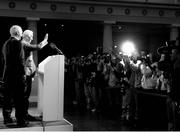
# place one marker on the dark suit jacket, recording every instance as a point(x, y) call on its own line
point(13, 54)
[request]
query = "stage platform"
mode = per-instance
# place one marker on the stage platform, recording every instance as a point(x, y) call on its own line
point(60, 125)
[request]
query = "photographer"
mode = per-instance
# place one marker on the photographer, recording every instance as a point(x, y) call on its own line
point(170, 65)
point(148, 80)
point(174, 94)
point(89, 76)
point(133, 75)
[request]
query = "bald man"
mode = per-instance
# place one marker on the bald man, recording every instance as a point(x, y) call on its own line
point(14, 77)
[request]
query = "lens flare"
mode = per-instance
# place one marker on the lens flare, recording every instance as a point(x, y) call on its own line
point(128, 48)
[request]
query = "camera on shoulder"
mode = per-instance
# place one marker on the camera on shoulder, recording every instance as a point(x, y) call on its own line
point(165, 63)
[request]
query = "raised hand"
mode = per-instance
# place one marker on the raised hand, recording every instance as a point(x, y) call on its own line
point(46, 37)
point(45, 41)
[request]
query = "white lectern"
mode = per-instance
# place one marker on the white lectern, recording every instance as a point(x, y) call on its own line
point(51, 88)
point(50, 81)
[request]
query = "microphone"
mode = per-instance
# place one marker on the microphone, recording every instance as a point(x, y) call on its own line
point(53, 46)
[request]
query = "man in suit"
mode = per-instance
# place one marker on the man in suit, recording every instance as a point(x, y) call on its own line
point(14, 77)
point(30, 67)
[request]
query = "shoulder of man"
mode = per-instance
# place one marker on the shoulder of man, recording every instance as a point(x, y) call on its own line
point(11, 40)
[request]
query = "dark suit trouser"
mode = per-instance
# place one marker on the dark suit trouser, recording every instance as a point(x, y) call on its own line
point(14, 90)
point(27, 93)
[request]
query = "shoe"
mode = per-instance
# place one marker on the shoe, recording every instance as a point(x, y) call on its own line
point(32, 118)
point(8, 121)
point(22, 123)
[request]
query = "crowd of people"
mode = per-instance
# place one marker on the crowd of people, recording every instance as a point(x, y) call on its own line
point(96, 81)
point(104, 80)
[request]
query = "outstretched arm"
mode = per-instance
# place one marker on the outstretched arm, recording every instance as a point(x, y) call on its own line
point(33, 47)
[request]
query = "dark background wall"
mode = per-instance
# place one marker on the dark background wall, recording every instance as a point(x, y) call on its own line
point(147, 37)
point(72, 37)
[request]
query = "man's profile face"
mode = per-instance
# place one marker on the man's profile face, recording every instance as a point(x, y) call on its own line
point(31, 37)
point(28, 38)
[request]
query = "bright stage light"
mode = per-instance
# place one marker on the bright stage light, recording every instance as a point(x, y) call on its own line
point(128, 48)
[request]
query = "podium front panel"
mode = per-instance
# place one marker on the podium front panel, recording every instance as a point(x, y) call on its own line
point(51, 88)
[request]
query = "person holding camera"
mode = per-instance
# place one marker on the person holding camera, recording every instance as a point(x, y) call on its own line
point(170, 65)
point(175, 90)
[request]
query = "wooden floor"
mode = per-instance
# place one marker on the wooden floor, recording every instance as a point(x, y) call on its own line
point(109, 118)
point(83, 120)
point(80, 119)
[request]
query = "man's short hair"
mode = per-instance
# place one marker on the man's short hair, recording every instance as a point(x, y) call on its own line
point(16, 31)
point(27, 33)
